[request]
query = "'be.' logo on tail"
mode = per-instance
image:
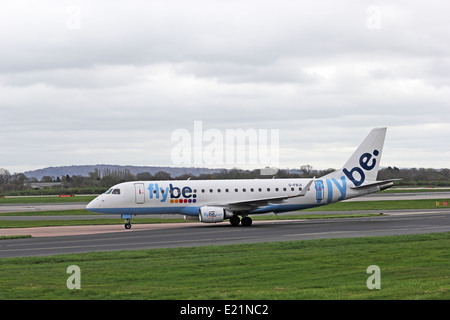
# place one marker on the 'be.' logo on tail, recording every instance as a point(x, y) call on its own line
point(364, 163)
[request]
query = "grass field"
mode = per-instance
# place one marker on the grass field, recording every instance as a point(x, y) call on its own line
point(45, 199)
point(412, 267)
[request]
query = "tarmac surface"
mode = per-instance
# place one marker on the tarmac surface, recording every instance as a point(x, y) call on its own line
point(76, 239)
point(57, 240)
point(403, 196)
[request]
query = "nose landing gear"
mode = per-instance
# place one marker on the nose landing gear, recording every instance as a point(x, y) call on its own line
point(127, 217)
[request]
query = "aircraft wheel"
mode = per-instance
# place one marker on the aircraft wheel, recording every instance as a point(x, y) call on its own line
point(235, 220)
point(246, 221)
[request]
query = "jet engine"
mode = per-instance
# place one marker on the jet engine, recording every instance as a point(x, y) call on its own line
point(213, 214)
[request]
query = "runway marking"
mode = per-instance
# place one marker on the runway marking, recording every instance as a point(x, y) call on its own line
point(368, 231)
point(101, 246)
point(128, 235)
point(413, 213)
point(57, 231)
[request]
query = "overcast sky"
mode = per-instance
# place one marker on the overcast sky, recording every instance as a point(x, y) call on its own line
point(90, 82)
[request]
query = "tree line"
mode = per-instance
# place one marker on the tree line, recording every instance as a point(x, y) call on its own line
point(100, 180)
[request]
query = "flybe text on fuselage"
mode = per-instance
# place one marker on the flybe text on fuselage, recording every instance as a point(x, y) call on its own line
point(176, 194)
point(341, 183)
point(341, 186)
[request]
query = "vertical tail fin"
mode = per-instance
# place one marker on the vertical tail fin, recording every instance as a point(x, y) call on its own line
point(363, 164)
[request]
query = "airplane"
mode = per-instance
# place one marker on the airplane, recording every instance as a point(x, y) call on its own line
point(213, 201)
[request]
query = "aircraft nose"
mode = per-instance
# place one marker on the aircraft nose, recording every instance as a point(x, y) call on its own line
point(94, 204)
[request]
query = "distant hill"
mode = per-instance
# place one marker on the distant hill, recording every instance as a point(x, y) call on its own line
point(84, 170)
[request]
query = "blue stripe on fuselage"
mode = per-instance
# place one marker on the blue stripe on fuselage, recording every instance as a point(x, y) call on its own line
point(193, 211)
point(190, 211)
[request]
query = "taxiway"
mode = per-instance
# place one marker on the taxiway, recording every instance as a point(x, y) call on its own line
point(196, 234)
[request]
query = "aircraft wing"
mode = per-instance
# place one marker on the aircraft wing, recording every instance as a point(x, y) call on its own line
point(262, 202)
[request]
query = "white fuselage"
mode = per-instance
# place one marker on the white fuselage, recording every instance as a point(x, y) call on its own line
point(186, 197)
point(216, 200)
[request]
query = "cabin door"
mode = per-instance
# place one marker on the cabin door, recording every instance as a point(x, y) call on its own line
point(140, 193)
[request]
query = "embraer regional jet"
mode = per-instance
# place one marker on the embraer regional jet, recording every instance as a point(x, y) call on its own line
point(212, 201)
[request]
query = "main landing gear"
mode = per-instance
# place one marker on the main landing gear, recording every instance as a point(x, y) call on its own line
point(246, 221)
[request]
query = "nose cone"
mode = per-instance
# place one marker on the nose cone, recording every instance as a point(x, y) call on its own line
point(94, 205)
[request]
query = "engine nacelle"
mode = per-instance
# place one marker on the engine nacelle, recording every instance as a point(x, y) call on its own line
point(213, 214)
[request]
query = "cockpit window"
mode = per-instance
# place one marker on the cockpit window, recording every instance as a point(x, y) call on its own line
point(116, 191)
point(109, 191)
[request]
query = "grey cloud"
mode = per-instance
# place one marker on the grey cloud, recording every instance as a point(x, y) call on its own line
point(277, 72)
point(207, 31)
point(135, 71)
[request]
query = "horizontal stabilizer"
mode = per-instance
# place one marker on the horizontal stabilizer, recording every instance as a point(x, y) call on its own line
point(382, 184)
